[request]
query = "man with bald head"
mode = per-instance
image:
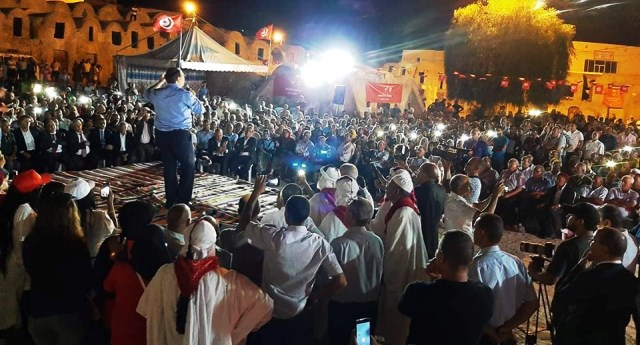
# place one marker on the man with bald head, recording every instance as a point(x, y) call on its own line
point(276, 217)
point(472, 170)
point(178, 220)
point(458, 212)
point(405, 256)
point(594, 305)
point(430, 196)
point(348, 169)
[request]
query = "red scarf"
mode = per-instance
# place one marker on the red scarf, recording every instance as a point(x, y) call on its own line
point(189, 273)
point(403, 202)
point(330, 194)
point(341, 213)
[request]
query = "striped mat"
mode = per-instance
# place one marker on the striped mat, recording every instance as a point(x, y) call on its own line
point(145, 181)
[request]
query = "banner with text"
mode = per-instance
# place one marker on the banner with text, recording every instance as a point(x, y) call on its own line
point(613, 98)
point(384, 93)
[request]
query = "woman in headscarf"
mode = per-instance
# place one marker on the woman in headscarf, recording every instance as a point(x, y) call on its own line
point(213, 305)
point(334, 224)
point(127, 280)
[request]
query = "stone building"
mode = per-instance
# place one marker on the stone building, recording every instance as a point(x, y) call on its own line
point(74, 30)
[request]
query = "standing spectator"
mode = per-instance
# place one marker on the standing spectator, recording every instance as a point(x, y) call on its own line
point(452, 309)
point(335, 223)
point(514, 297)
point(574, 146)
point(608, 139)
point(500, 143)
point(593, 146)
point(8, 146)
point(476, 146)
point(144, 136)
point(360, 254)
point(611, 217)
point(57, 260)
point(459, 213)
point(174, 108)
point(430, 196)
point(178, 220)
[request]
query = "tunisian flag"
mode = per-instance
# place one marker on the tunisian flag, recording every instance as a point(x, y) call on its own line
point(384, 93)
point(166, 23)
point(265, 33)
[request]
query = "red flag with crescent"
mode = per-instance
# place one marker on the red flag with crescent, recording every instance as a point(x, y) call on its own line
point(526, 85)
point(166, 23)
point(265, 33)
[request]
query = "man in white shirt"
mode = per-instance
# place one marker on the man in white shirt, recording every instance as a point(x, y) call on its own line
point(347, 149)
point(597, 192)
point(515, 299)
point(335, 223)
point(593, 146)
point(574, 147)
point(324, 201)
point(623, 197)
point(292, 258)
point(277, 218)
point(459, 213)
point(360, 253)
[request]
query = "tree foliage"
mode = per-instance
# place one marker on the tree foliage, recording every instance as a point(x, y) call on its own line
point(494, 39)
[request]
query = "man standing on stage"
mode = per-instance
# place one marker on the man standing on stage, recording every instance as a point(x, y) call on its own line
point(174, 107)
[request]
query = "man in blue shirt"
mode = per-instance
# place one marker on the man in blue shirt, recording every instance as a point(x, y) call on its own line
point(174, 108)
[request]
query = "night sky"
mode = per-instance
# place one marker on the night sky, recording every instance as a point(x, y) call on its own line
point(381, 29)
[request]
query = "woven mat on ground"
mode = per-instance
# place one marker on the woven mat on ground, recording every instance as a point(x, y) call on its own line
point(145, 182)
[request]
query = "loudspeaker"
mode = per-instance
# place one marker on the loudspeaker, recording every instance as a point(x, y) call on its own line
point(338, 94)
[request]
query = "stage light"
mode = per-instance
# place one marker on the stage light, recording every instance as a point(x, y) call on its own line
point(610, 164)
point(312, 74)
point(278, 37)
point(330, 67)
point(51, 92)
point(37, 88)
point(190, 7)
point(535, 112)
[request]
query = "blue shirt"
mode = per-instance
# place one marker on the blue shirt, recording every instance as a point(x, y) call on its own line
point(174, 106)
point(203, 139)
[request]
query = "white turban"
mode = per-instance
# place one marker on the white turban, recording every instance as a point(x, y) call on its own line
point(403, 179)
point(328, 178)
point(346, 190)
point(202, 237)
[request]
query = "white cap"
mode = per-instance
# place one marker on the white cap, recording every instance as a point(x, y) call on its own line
point(403, 179)
point(328, 177)
point(79, 188)
point(346, 190)
point(202, 237)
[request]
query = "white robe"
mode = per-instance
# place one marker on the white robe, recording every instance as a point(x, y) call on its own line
point(332, 227)
point(405, 257)
point(225, 308)
point(319, 207)
point(377, 225)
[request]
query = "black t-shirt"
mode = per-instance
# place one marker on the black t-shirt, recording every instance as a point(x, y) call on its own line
point(567, 256)
point(445, 312)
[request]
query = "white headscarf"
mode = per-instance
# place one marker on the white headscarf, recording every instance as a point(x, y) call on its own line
point(202, 237)
point(403, 179)
point(328, 178)
point(346, 190)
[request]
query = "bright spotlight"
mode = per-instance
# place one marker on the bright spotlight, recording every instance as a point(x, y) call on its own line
point(627, 148)
point(278, 37)
point(535, 112)
point(190, 7)
point(491, 133)
point(84, 100)
point(312, 74)
point(37, 88)
point(51, 92)
point(437, 133)
point(610, 164)
point(329, 67)
point(440, 126)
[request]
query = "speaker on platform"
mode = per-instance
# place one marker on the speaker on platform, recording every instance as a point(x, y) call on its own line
point(338, 94)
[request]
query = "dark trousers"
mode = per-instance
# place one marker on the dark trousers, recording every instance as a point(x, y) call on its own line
point(297, 330)
point(176, 147)
point(68, 329)
point(240, 165)
point(28, 163)
point(50, 162)
point(343, 316)
point(222, 161)
point(144, 153)
point(506, 209)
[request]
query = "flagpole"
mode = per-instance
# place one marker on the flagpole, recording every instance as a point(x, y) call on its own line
point(180, 51)
point(269, 58)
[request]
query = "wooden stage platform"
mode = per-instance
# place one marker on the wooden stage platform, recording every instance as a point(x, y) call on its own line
point(145, 182)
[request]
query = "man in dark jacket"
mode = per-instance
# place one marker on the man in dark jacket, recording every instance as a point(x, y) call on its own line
point(594, 305)
point(144, 137)
point(218, 150)
point(27, 140)
point(51, 143)
point(551, 204)
point(98, 137)
point(431, 197)
point(121, 144)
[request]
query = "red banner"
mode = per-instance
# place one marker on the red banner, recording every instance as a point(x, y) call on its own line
point(574, 88)
point(384, 93)
point(613, 98)
point(599, 89)
point(526, 85)
point(504, 83)
point(624, 88)
point(285, 85)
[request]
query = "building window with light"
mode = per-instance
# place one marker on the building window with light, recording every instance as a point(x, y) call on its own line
point(17, 27)
point(116, 38)
point(601, 66)
point(59, 31)
point(237, 48)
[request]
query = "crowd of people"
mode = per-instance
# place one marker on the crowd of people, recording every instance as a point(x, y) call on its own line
point(362, 203)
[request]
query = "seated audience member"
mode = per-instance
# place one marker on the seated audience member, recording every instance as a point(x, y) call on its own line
point(122, 145)
point(488, 176)
point(127, 280)
point(289, 273)
point(245, 149)
point(277, 218)
point(597, 193)
point(50, 146)
point(27, 140)
point(513, 180)
point(360, 254)
point(212, 305)
point(99, 138)
point(611, 217)
point(78, 148)
point(450, 309)
point(550, 213)
point(594, 305)
point(623, 196)
point(218, 151)
point(57, 261)
point(514, 297)
point(458, 212)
